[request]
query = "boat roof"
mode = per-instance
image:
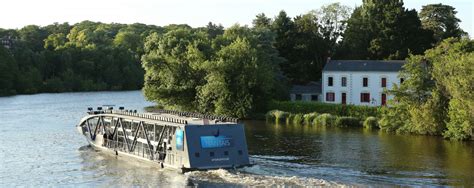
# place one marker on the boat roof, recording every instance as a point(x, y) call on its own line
point(172, 117)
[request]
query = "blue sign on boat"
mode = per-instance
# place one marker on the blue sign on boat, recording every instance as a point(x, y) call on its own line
point(216, 141)
point(179, 139)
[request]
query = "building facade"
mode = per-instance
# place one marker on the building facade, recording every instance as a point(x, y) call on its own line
point(360, 82)
point(309, 92)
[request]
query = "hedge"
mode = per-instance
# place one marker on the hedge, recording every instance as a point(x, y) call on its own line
point(361, 112)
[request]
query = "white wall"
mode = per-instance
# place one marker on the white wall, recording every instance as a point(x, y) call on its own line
point(355, 87)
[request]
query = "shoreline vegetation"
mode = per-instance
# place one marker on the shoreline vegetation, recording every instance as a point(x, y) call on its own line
point(323, 114)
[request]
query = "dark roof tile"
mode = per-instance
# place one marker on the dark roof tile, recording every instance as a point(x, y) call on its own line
point(364, 65)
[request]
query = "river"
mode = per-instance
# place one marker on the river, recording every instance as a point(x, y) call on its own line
point(40, 147)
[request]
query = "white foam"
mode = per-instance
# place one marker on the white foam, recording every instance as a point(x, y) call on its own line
point(275, 157)
point(225, 176)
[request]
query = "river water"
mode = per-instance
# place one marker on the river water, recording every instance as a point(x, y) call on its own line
point(39, 146)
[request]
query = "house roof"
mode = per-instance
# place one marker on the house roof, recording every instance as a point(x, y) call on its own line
point(364, 65)
point(312, 87)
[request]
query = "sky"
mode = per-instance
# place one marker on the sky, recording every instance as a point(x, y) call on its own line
point(18, 13)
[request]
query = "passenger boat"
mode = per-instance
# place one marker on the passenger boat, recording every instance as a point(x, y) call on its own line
point(169, 139)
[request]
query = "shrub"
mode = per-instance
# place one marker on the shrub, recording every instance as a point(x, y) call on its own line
point(347, 122)
point(371, 122)
point(277, 115)
point(308, 118)
point(298, 119)
point(324, 120)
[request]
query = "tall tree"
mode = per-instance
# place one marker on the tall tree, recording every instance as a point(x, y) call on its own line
point(309, 51)
point(442, 20)
point(385, 30)
point(262, 21)
point(332, 19)
point(283, 27)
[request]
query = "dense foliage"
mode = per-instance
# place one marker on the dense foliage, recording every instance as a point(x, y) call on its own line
point(82, 57)
point(437, 99)
point(381, 29)
point(233, 73)
point(441, 19)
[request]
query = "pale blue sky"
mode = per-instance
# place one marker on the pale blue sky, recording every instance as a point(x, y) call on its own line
point(18, 13)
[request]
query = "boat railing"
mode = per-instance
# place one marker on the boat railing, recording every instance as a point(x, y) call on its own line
point(122, 146)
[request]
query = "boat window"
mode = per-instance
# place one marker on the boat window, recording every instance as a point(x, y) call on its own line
point(211, 154)
point(196, 154)
point(226, 153)
point(240, 152)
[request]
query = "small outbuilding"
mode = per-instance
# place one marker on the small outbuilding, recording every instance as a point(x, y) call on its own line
point(308, 92)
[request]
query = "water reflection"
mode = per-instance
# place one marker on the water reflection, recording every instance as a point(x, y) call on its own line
point(107, 170)
point(365, 156)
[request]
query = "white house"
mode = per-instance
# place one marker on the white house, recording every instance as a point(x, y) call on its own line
point(359, 82)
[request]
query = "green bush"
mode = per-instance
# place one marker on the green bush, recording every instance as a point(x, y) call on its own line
point(324, 120)
point(347, 122)
point(308, 118)
point(298, 119)
point(361, 112)
point(371, 122)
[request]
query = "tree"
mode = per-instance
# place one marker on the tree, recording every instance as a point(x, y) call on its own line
point(262, 21)
point(309, 52)
point(171, 63)
point(300, 42)
point(229, 74)
point(332, 19)
point(283, 26)
point(436, 98)
point(441, 20)
point(241, 77)
point(382, 29)
point(8, 72)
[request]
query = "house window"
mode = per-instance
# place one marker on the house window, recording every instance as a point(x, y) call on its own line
point(343, 81)
point(402, 80)
point(329, 81)
point(330, 96)
point(298, 97)
point(365, 97)
point(384, 82)
point(365, 82)
point(314, 97)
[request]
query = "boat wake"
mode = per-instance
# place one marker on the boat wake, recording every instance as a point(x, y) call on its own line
point(260, 174)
